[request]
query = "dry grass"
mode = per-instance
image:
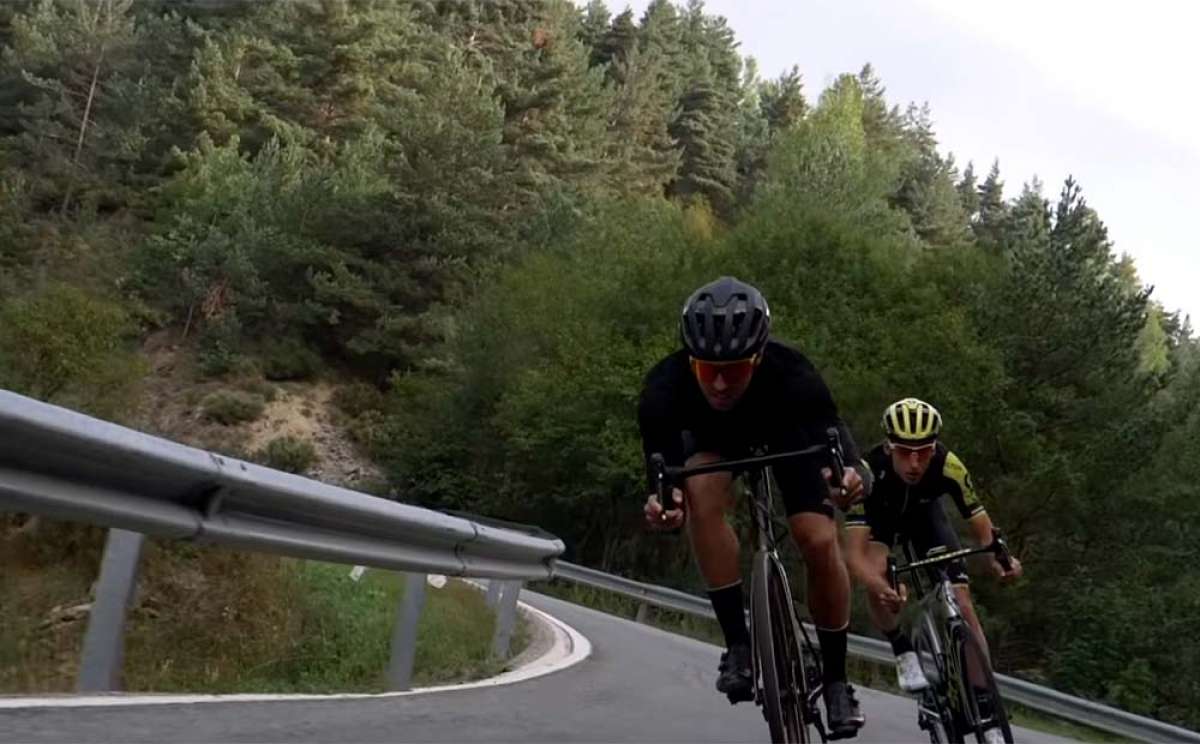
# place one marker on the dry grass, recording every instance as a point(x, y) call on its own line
point(215, 620)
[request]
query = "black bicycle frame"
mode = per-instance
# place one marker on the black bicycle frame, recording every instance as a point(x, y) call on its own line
point(755, 471)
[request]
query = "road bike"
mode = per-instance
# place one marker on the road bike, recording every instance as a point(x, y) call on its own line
point(787, 671)
point(962, 699)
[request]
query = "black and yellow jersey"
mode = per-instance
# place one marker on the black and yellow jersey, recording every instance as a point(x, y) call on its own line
point(892, 503)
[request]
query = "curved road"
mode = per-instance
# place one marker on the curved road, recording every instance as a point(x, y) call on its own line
point(639, 685)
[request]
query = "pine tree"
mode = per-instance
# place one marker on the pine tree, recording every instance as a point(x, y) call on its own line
point(1062, 271)
point(992, 211)
point(555, 104)
point(660, 31)
point(926, 186)
point(594, 27)
point(618, 42)
point(753, 133)
point(70, 60)
point(704, 129)
point(709, 39)
point(782, 101)
point(641, 154)
point(884, 127)
point(1028, 221)
point(968, 193)
point(708, 97)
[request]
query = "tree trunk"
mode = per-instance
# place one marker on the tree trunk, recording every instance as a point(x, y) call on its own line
point(87, 113)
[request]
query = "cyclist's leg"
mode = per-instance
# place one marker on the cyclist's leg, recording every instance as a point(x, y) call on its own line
point(713, 540)
point(810, 517)
point(715, 547)
point(962, 593)
point(828, 580)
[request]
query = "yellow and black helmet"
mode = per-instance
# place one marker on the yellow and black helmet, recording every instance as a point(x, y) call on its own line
point(912, 421)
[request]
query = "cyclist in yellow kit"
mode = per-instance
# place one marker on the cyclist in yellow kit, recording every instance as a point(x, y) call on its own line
point(912, 472)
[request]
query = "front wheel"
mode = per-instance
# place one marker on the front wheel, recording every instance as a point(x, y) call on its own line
point(984, 709)
point(777, 652)
point(934, 713)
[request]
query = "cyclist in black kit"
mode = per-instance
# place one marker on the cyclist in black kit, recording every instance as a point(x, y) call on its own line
point(731, 388)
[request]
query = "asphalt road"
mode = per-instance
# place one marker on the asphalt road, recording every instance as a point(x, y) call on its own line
point(639, 685)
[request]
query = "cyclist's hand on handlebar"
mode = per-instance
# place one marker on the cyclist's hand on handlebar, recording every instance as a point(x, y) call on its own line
point(671, 519)
point(851, 489)
point(885, 595)
point(1010, 575)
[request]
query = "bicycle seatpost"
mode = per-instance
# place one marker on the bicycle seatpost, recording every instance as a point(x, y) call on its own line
point(891, 574)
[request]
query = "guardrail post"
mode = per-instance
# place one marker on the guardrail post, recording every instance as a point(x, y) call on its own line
point(493, 592)
point(641, 612)
point(506, 618)
point(404, 632)
point(104, 641)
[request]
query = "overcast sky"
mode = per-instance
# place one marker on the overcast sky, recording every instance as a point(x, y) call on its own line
point(1106, 92)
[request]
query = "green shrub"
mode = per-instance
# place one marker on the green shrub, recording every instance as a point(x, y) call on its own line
point(370, 431)
point(357, 398)
point(288, 453)
point(261, 388)
point(63, 340)
point(233, 407)
point(289, 360)
point(219, 345)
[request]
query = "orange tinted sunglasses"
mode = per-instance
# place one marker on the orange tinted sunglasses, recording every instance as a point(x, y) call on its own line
point(734, 373)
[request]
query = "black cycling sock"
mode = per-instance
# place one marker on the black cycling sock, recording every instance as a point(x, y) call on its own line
point(833, 654)
point(900, 642)
point(727, 603)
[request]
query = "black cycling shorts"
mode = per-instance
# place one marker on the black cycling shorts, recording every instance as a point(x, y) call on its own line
point(800, 483)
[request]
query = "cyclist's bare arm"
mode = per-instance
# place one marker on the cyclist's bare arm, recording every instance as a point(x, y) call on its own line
point(981, 530)
point(858, 558)
point(867, 562)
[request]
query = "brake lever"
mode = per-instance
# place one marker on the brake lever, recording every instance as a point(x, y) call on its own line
point(837, 461)
point(658, 466)
point(1001, 551)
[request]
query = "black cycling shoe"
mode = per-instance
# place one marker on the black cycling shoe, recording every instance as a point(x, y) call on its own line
point(735, 677)
point(843, 718)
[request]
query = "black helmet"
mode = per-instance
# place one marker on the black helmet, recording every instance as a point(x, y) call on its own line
point(725, 320)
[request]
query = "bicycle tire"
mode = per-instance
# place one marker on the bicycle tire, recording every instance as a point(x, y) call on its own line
point(940, 728)
point(933, 727)
point(968, 645)
point(777, 653)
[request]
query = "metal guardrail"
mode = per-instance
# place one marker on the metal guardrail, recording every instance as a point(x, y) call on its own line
point(1037, 697)
point(65, 465)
